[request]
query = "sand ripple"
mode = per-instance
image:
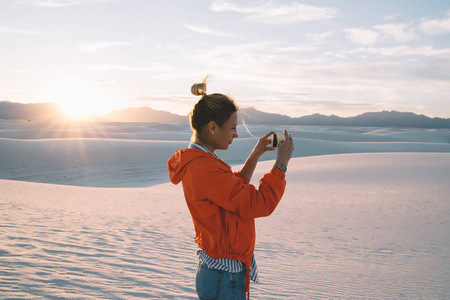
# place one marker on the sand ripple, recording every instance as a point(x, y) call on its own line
point(357, 226)
point(62, 252)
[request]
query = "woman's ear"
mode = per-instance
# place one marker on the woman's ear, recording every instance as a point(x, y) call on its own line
point(212, 127)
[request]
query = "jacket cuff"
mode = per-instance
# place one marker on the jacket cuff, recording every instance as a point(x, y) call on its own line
point(277, 172)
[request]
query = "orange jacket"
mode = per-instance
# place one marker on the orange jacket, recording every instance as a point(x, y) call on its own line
point(222, 204)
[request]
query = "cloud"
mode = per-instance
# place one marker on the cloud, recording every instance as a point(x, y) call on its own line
point(100, 47)
point(362, 36)
point(391, 17)
point(268, 73)
point(6, 29)
point(60, 3)
point(295, 49)
point(406, 51)
point(401, 32)
point(274, 13)
point(150, 68)
point(115, 67)
point(247, 49)
point(206, 30)
point(436, 27)
point(319, 37)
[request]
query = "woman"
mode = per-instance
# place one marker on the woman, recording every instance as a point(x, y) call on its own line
point(223, 204)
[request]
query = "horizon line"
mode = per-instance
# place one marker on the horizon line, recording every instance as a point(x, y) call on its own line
point(241, 107)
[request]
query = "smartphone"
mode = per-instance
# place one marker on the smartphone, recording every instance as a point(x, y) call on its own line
point(276, 139)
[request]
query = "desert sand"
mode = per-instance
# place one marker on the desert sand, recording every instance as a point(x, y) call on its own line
point(87, 213)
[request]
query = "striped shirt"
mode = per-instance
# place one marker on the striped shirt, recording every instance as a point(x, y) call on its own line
point(224, 264)
point(228, 265)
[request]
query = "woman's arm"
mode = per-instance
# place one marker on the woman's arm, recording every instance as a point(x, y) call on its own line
point(260, 148)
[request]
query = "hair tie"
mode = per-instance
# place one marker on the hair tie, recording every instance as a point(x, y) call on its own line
point(198, 89)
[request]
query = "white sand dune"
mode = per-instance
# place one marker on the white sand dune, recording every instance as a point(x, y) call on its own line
point(135, 154)
point(354, 226)
point(353, 223)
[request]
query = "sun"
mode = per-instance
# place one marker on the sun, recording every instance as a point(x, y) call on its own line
point(78, 99)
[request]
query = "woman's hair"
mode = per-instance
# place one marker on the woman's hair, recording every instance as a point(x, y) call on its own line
point(213, 107)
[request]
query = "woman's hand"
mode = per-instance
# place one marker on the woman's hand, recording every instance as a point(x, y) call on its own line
point(262, 146)
point(284, 150)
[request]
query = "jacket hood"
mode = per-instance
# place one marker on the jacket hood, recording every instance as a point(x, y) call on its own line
point(178, 163)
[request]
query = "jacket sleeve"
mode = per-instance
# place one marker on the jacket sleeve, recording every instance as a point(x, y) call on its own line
point(230, 191)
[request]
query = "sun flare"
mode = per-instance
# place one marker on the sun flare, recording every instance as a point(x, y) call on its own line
point(78, 99)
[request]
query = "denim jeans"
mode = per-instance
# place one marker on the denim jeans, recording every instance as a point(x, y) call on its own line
point(217, 285)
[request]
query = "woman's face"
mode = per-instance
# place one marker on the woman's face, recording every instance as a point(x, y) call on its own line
point(223, 136)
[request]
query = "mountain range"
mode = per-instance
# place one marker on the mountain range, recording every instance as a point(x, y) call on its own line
point(52, 112)
point(370, 119)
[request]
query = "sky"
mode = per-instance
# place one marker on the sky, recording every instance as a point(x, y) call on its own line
point(290, 57)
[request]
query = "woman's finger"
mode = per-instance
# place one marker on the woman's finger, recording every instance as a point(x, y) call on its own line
point(268, 134)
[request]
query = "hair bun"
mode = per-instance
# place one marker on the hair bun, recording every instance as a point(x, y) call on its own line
point(198, 89)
